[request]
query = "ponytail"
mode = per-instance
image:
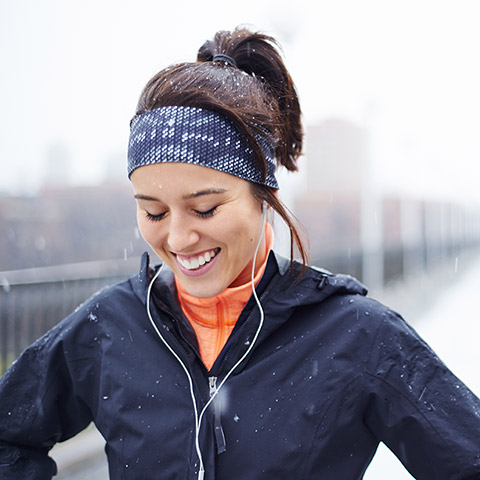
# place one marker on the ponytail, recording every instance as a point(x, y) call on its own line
point(258, 55)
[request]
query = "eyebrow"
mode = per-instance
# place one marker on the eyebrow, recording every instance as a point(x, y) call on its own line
point(207, 191)
point(188, 196)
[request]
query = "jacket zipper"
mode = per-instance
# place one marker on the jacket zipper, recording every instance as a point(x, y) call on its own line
point(212, 382)
point(217, 419)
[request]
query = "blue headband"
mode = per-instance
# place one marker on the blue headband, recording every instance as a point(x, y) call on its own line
point(197, 136)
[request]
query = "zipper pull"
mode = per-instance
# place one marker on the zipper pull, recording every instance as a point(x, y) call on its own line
point(217, 422)
point(212, 383)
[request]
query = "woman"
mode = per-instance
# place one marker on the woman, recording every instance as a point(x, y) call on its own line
point(228, 361)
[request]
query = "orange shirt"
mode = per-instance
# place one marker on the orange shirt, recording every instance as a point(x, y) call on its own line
point(213, 319)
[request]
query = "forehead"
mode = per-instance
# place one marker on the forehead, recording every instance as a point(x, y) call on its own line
point(183, 178)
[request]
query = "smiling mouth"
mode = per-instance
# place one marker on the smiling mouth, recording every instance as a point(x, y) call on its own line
point(196, 261)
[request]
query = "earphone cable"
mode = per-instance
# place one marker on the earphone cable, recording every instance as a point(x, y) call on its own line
point(190, 381)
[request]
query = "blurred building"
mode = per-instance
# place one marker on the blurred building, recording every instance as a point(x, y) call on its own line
point(356, 229)
point(68, 225)
point(331, 207)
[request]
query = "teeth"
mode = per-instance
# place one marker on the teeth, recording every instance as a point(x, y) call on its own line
point(196, 262)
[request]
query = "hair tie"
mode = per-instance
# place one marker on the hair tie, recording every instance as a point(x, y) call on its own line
point(224, 58)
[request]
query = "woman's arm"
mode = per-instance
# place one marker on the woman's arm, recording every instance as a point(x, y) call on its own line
point(419, 409)
point(38, 407)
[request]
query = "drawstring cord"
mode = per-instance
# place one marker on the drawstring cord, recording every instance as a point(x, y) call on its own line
point(199, 418)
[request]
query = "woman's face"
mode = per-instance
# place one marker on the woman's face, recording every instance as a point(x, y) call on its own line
point(204, 224)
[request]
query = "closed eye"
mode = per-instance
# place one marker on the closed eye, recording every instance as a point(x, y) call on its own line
point(155, 218)
point(206, 214)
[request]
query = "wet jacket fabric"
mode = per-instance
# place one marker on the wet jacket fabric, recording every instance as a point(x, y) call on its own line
point(332, 373)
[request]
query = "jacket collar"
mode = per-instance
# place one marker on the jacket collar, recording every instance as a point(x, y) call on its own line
point(318, 282)
point(280, 292)
point(282, 263)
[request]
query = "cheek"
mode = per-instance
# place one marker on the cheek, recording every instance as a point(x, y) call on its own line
point(243, 235)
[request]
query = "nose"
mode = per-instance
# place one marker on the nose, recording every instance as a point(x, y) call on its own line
point(182, 234)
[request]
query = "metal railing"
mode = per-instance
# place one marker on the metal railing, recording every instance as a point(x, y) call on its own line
point(34, 300)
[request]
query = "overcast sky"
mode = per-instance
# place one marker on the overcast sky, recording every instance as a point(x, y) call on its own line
point(72, 71)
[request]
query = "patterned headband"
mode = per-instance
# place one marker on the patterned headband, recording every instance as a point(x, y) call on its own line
point(197, 136)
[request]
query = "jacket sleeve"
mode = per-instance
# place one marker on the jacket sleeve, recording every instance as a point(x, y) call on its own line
point(38, 407)
point(419, 408)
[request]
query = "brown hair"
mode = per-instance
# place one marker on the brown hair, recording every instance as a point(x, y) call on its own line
point(257, 95)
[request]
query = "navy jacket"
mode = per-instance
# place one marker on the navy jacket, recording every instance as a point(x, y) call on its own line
point(331, 374)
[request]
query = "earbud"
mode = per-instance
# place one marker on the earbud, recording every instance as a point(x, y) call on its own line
point(264, 206)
